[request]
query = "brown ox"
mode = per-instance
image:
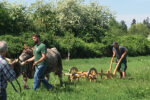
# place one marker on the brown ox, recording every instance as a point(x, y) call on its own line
point(53, 59)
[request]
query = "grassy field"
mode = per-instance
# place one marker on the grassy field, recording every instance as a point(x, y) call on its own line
point(135, 87)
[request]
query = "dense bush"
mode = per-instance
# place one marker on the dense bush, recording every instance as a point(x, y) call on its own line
point(136, 44)
point(81, 49)
point(15, 45)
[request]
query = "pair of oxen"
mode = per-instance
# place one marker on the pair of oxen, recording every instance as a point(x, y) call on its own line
point(53, 59)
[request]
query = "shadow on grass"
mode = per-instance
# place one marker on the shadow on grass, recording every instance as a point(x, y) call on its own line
point(67, 87)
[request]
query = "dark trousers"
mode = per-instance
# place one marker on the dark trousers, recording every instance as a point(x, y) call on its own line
point(3, 94)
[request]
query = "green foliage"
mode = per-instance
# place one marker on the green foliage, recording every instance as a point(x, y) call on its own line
point(44, 17)
point(116, 29)
point(49, 39)
point(139, 29)
point(5, 19)
point(136, 44)
point(88, 22)
point(73, 27)
point(80, 49)
point(147, 22)
point(20, 19)
point(15, 45)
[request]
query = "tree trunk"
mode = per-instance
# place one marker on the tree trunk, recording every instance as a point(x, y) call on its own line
point(68, 58)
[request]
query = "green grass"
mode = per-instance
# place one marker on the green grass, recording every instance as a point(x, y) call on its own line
point(135, 87)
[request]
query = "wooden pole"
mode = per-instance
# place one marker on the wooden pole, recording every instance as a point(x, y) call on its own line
point(115, 70)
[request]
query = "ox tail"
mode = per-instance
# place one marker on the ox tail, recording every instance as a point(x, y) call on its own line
point(60, 62)
point(60, 68)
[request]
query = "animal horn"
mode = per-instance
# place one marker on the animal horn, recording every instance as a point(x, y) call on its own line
point(25, 46)
point(16, 60)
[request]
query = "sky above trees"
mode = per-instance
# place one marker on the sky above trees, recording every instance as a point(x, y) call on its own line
point(129, 9)
point(126, 10)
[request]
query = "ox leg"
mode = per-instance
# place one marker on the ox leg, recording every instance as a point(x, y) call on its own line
point(47, 77)
point(60, 79)
point(25, 81)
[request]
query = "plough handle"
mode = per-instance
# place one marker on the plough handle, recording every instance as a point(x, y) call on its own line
point(115, 70)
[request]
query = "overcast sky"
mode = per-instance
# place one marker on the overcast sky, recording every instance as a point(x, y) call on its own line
point(124, 9)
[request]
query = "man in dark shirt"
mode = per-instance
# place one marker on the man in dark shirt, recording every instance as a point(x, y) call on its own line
point(6, 72)
point(120, 52)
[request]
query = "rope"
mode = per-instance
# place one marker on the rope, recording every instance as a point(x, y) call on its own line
point(18, 91)
point(7, 60)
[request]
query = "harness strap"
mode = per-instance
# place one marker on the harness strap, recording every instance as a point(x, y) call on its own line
point(18, 91)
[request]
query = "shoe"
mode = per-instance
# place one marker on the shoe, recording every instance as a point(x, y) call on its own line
point(50, 89)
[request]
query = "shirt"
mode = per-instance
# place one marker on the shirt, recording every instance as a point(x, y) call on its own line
point(6, 73)
point(119, 52)
point(38, 51)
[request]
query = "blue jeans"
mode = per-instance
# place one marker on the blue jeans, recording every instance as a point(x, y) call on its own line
point(39, 77)
point(3, 95)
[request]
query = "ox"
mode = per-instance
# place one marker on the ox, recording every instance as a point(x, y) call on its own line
point(53, 59)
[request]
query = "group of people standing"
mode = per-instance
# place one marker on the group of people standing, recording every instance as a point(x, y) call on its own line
point(8, 74)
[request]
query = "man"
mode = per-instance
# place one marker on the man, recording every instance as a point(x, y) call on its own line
point(39, 63)
point(120, 52)
point(6, 72)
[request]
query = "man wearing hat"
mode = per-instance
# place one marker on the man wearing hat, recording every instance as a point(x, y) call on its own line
point(120, 52)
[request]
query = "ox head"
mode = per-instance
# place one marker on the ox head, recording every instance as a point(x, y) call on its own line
point(16, 64)
point(26, 54)
point(20, 68)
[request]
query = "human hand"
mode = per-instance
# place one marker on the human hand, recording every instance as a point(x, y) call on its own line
point(25, 62)
point(12, 66)
point(35, 63)
point(109, 69)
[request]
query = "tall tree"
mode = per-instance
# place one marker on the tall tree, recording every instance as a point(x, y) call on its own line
point(116, 28)
point(14, 18)
point(123, 26)
point(139, 29)
point(44, 17)
point(20, 19)
point(133, 22)
point(147, 22)
point(83, 20)
point(5, 19)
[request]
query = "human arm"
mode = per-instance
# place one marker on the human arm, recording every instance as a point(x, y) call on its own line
point(40, 60)
point(29, 60)
point(9, 73)
point(10, 62)
point(125, 52)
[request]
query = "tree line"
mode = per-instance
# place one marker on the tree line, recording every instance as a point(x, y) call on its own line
point(77, 29)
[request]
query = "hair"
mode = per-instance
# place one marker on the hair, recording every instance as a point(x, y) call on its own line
point(115, 43)
point(36, 35)
point(3, 46)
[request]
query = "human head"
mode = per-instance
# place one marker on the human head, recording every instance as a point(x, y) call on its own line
point(3, 48)
point(115, 45)
point(36, 38)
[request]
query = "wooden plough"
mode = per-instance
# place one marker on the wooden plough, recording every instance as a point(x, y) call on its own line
point(74, 74)
point(91, 74)
point(109, 74)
